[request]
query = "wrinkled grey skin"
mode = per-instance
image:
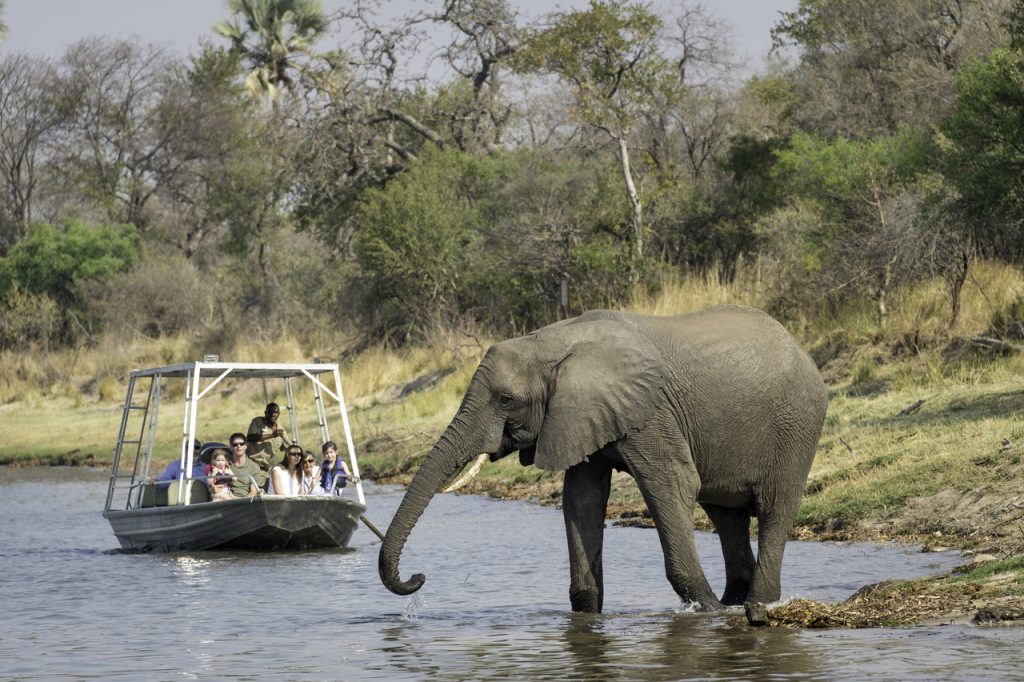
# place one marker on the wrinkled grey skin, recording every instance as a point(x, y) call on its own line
point(720, 408)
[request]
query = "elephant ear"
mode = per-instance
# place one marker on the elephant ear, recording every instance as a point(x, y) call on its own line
point(607, 385)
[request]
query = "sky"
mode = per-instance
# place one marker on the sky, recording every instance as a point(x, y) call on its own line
point(47, 27)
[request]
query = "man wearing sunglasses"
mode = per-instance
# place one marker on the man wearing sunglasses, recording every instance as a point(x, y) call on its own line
point(244, 468)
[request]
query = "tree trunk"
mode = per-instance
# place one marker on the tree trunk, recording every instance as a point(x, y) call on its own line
point(636, 217)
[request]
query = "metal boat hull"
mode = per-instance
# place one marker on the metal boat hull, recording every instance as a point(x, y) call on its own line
point(265, 522)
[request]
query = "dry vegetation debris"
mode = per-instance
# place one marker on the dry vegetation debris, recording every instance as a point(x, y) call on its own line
point(944, 599)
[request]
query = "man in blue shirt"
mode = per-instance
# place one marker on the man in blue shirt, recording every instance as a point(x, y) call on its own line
point(173, 470)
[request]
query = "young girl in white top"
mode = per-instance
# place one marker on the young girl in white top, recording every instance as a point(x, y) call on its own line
point(284, 478)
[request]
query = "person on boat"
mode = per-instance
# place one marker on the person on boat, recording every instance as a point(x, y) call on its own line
point(219, 476)
point(173, 470)
point(284, 477)
point(249, 477)
point(261, 434)
point(334, 474)
point(309, 478)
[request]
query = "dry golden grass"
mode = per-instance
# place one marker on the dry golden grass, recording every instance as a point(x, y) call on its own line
point(678, 294)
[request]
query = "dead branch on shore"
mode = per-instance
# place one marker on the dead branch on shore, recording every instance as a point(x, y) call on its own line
point(997, 344)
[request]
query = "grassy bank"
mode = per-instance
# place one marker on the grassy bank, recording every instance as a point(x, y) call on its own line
point(922, 441)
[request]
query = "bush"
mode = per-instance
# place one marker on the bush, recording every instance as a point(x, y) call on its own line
point(27, 318)
point(413, 246)
point(159, 298)
point(55, 263)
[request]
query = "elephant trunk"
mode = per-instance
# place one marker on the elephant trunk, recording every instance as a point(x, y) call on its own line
point(443, 462)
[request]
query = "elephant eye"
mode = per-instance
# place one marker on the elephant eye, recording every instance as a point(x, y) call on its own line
point(505, 400)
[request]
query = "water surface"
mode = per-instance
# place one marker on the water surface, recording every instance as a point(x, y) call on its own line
point(495, 605)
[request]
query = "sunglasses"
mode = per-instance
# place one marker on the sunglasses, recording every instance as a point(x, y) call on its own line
point(238, 444)
point(295, 454)
point(310, 461)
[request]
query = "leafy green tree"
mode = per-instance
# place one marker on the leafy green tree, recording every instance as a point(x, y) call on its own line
point(271, 35)
point(548, 222)
point(983, 152)
point(413, 246)
point(865, 238)
point(55, 262)
point(51, 260)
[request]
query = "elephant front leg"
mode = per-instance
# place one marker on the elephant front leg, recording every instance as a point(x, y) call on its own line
point(584, 502)
point(660, 461)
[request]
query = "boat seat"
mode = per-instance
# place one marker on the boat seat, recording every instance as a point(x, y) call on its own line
point(148, 498)
point(199, 492)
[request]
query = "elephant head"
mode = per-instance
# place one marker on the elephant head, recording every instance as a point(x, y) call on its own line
point(556, 396)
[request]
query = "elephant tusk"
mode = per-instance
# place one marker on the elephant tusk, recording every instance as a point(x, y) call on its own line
point(468, 475)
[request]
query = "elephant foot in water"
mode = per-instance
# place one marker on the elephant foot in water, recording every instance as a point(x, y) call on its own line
point(736, 593)
point(757, 613)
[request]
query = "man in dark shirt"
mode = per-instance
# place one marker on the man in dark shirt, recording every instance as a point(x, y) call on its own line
point(261, 434)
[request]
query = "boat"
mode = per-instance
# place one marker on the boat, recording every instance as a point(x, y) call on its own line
point(180, 516)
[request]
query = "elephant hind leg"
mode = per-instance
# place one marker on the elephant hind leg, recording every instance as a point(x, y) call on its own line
point(774, 519)
point(733, 526)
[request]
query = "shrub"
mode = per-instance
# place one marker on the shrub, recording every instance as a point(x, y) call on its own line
point(161, 297)
point(27, 318)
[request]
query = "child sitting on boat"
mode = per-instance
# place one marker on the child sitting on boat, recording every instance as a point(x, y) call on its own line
point(219, 476)
point(334, 474)
point(309, 479)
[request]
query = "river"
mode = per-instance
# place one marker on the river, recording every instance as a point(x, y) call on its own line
point(494, 607)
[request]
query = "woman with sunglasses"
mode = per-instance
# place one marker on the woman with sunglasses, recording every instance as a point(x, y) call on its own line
point(309, 480)
point(284, 477)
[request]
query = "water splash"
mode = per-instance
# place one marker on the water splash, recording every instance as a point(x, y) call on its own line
point(687, 607)
point(412, 608)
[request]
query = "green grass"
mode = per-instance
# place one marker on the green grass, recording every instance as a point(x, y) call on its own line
point(994, 568)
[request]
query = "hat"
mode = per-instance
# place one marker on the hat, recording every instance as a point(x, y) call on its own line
point(206, 453)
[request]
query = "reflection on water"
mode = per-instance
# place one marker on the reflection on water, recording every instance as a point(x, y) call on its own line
point(494, 606)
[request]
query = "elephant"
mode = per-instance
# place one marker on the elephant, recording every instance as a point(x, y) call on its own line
point(719, 407)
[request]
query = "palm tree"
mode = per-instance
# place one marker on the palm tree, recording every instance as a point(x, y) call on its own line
point(269, 34)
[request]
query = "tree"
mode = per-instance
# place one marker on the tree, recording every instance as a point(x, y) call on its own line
point(865, 196)
point(32, 108)
point(413, 246)
point(131, 125)
point(191, 208)
point(983, 152)
point(270, 35)
point(609, 56)
point(55, 262)
point(690, 118)
point(868, 67)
